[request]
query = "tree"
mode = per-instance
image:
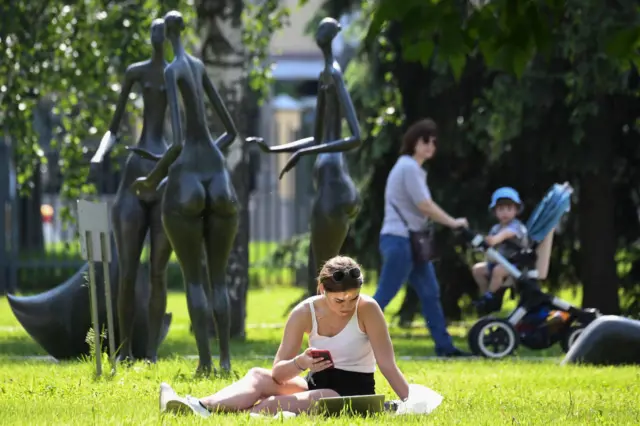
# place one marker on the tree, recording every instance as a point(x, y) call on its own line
point(566, 55)
point(74, 54)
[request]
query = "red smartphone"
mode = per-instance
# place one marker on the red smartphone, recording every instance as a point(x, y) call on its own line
point(322, 353)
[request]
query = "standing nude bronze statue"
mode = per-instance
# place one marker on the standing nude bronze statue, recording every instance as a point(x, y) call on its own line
point(337, 201)
point(199, 204)
point(133, 217)
point(59, 319)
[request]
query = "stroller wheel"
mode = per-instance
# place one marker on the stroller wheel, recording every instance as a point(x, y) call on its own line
point(570, 337)
point(493, 338)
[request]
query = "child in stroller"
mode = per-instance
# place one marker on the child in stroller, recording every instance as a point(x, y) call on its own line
point(539, 320)
point(508, 237)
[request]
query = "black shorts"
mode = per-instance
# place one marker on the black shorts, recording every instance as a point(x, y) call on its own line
point(345, 383)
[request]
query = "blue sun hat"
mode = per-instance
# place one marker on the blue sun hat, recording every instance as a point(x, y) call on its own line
point(505, 193)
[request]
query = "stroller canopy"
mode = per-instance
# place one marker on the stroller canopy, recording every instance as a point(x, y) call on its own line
point(548, 213)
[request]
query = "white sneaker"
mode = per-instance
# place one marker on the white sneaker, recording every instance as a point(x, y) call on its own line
point(166, 393)
point(285, 415)
point(171, 402)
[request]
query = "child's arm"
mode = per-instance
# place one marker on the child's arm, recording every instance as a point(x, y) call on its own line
point(512, 230)
point(500, 237)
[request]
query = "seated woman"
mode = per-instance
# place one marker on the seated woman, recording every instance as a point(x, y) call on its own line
point(339, 319)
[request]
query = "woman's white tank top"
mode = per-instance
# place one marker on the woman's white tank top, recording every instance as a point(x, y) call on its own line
point(350, 349)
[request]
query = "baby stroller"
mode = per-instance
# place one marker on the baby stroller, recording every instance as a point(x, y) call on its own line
point(539, 320)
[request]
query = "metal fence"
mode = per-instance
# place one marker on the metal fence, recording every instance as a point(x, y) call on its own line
point(278, 211)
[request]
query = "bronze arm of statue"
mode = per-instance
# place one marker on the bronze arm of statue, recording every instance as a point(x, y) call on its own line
point(307, 146)
point(132, 216)
point(337, 201)
point(200, 207)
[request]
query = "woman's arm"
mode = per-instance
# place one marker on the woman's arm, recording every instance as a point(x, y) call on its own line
point(376, 328)
point(419, 193)
point(286, 365)
point(433, 211)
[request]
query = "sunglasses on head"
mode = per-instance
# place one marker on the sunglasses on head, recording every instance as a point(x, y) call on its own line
point(341, 275)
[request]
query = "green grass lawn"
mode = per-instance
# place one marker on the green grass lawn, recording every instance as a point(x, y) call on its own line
point(477, 392)
point(61, 260)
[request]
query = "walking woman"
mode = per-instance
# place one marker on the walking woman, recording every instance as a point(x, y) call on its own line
point(408, 207)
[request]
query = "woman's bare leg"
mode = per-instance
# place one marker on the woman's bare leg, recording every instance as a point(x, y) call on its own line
point(297, 403)
point(256, 385)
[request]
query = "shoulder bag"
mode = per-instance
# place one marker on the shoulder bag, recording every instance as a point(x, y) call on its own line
point(421, 241)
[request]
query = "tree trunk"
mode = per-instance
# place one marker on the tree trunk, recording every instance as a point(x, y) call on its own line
point(597, 243)
point(597, 221)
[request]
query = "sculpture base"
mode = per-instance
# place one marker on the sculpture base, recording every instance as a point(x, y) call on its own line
point(609, 340)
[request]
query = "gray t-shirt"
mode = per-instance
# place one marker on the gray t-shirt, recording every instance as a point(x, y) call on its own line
point(521, 238)
point(406, 188)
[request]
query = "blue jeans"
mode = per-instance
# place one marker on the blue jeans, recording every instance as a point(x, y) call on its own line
point(397, 268)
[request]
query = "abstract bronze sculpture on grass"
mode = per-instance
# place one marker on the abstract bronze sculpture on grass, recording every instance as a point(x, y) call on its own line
point(337, 201)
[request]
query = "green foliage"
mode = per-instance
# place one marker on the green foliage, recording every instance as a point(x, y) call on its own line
point(507, 33)
point(559, 85)
point(577, 72)
point(260, 22)
point(330, 8)
point(73, 53)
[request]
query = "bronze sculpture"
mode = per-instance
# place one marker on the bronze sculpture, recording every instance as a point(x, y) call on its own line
point(132, 217)
point(200, 204)
point(59, 319)
point(337, 201)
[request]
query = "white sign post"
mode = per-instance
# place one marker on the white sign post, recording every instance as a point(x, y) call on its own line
point(94, 222)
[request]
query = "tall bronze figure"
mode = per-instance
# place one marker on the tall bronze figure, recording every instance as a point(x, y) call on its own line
point(59, 319)
point(337, 201)
point(200, 203)
point(133, 217)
